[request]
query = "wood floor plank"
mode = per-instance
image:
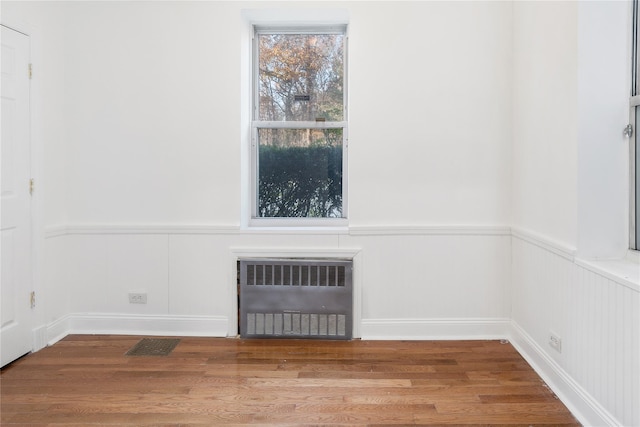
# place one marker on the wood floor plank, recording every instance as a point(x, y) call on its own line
point(87, 380)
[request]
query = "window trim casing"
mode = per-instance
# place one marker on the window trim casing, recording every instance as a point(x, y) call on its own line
point(634, 104)
point(255, 124)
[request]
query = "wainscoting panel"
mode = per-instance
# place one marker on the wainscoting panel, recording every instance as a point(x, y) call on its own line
point(440, 282)
point(597, 320)
point(427, 278)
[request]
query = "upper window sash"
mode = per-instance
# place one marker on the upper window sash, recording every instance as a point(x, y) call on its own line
point(279, 114)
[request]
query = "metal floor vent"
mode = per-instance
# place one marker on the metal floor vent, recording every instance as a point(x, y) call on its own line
point(297, 298)
point(153, 347)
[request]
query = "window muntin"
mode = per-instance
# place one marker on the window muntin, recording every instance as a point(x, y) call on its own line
point(299, 124)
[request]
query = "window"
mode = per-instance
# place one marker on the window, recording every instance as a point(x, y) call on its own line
point(299, 125)
point(635, 138)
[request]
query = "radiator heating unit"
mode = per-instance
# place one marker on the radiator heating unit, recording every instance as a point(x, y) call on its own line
point(296, 298)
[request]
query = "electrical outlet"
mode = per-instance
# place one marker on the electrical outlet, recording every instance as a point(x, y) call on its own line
point(555, 342)
point(137, 297)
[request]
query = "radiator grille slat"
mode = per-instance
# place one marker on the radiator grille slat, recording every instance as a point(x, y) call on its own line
point(296, 298)
point(296, 324)
point(295, 275)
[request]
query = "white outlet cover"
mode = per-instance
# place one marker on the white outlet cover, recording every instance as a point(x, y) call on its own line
point(137, 298)
point(555, 342)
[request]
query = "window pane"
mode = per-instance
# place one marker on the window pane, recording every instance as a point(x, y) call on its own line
point(300, 173)
point(301, 77)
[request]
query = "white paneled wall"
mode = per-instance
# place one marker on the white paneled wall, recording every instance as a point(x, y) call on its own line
point(416, 283)
point(597, 318)
point(435, 284)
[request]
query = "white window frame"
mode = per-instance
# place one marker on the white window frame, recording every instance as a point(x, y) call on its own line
point(254, 219)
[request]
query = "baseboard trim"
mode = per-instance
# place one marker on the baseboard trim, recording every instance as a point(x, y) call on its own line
point(126, 324)
point(39, 338)
point(581, 404)
point(57, 329)
point(434, 329)
point(217, 326)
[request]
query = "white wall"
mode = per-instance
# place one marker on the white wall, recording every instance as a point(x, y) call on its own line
point(545, 119)
point(571, 89)
point(603, 109)
point(570, 204)
point(154, 125)
point(153, 111)
point(151, 154)
point(429, 103)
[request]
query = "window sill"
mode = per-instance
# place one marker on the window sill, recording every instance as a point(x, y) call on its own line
point(625, 271)
point(297, 226)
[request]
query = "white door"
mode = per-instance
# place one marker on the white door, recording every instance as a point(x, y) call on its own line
point(15, 284)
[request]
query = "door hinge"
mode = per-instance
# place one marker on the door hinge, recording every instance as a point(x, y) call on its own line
point(32, 299)
point(30, 71)
point(628, 131)
point(31, 186)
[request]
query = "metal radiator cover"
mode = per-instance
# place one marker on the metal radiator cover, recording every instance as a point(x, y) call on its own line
point(296, 298)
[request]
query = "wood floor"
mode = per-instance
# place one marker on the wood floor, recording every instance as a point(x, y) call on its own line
point(88, 380)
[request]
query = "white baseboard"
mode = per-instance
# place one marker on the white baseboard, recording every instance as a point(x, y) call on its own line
point(127, 324)
point(581, 404)
point(57, 330)
point(40, 338)
point(217, 326)
point(434, 329)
